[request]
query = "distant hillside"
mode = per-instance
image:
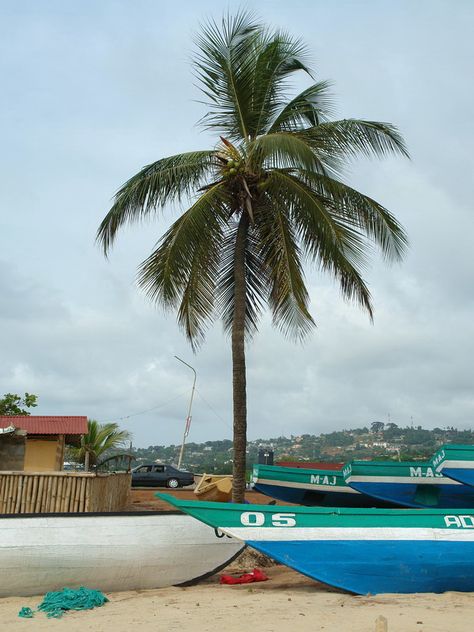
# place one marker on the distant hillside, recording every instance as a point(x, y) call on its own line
point(380, 441)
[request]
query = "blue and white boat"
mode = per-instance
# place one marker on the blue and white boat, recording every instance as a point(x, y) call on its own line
point(455, 461)
point(359, 550)
point(407, 484)
point(310, 487)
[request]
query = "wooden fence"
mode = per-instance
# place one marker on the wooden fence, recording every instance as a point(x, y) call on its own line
point(63, 492)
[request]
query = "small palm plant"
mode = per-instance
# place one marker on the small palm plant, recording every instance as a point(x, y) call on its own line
point(100, 441)
point(267, 198)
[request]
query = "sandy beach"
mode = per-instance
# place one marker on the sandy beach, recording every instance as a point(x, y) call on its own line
point(288, 601)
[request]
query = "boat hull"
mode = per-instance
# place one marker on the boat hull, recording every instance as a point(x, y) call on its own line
point(464, 475)
point(408, 484)
point(359, 550)
point(109, 552)
point(313, 498)
point(419, 567)
point(312, 488)
point(448, 495)
point(456, 461)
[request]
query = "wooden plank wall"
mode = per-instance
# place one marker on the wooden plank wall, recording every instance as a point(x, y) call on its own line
point(63, 492)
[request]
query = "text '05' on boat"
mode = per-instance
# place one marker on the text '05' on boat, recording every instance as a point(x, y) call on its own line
point(360, 550)
point(456, 461)
point(119, 551)
point(408, 484)
point(310, 487)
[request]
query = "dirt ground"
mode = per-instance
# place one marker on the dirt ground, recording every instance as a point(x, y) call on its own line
point(143, 498)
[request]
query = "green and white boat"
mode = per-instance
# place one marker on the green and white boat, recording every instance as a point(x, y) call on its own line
point(407, 484)
point(455, 461)
point(311, 487)
point(360, 550)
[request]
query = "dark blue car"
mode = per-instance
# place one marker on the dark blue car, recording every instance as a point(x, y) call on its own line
point(160, 475)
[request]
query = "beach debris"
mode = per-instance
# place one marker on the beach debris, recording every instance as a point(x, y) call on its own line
point(247, 578)
point(249, 558)
point(381, 624)
point(55, 604)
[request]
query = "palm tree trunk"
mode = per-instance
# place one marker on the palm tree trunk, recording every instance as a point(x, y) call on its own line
point(238, 364)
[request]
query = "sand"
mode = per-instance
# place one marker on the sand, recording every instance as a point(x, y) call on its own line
point(287, 602)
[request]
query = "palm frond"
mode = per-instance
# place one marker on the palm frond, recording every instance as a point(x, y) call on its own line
point(100, 438)
point(181, 273)
point(278, 57)
point(361, 211)
point(311, 107)
point(167, 180)
point(351, 137)
point(242, 68)
point(333, 243)
point(288, 296)
point(283, 149)
point(256, 280)
point(224, 67)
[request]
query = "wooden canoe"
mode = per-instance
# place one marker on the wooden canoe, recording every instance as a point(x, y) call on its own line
point(214, 488)
point(108, 552)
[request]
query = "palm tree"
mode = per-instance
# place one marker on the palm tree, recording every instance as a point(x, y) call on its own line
point(267, 198)
point(99, 441)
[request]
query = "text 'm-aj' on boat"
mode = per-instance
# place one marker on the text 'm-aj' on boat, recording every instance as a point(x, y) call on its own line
point(455, 461)
point(407, 484)
point(310, 487)
point(107, 551)
point(356, 549)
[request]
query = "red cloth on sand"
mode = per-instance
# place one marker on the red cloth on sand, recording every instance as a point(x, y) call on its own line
point(247, 578)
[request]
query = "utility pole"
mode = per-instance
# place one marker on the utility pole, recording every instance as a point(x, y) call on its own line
point(188, 418)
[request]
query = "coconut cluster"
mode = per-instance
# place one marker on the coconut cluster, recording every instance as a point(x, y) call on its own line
point(233, 168)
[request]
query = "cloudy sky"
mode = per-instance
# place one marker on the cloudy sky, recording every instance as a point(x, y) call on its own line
point(92, 91)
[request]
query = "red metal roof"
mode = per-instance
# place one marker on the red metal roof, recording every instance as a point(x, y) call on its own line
point(55, 424)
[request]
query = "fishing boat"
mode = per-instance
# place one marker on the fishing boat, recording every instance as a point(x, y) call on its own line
point(359, 550)
point(310, 487)
point(109, 552)
point(407, 484)
point(455, 461)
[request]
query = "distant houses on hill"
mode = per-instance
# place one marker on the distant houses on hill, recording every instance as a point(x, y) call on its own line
point(378, 440)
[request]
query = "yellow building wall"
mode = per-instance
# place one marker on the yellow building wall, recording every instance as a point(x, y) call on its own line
point(42, 455)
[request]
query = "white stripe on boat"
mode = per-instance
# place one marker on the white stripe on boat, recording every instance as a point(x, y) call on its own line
point(414, 480)
point(308, 486)
point(469, 465)
point(289, 534)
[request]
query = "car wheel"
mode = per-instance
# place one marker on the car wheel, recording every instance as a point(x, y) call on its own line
point(173, 483)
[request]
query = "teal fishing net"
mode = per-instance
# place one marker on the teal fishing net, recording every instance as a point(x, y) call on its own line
point(55, 604)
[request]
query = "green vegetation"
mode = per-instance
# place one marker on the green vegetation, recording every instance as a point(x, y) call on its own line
point(12, 404)
point(267, 198)
point(101, 443)
point(391, 442)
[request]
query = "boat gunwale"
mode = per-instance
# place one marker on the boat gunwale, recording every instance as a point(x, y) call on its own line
point(397, 464)
point(297, 470)
point(315, 510)
point(92, 514)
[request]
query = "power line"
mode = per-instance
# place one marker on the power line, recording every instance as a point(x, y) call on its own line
point(213, 410)
point(142, 412)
